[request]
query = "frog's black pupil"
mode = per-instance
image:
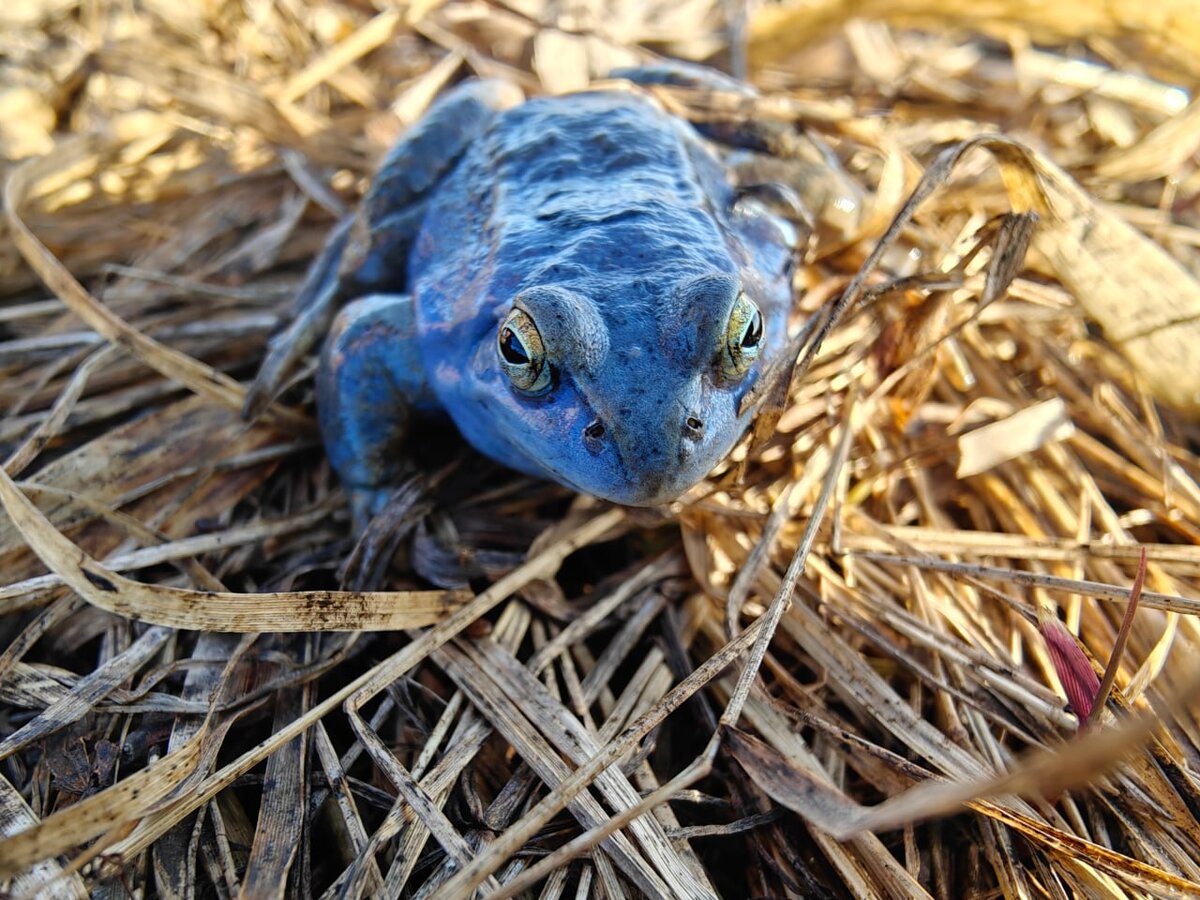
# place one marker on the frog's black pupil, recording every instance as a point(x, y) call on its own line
point(512, 348)
point(753, 332)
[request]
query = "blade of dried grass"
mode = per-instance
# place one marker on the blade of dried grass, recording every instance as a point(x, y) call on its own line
point(1171, 27)
point(15, 817)
point(1162, 152)
point(90, 689)
point(352, 828)
point(1020, 434)
point(174, 857)
point(783, 511)
point(188, 567)
point(1095, 589)
point(943, 542)
point(56, 418)
point(197, 376)
point(284, 807)
point(15, 595)
point(48, 618)
point(372, 34)
point(29, 687)
point(417, 97)
point(1124, 87)
point(213, 611)
point(1118, 650)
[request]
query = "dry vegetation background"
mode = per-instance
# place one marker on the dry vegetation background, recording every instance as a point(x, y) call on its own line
point(963, 479)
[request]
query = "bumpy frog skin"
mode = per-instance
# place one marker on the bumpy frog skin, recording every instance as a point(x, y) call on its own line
point(572, 280)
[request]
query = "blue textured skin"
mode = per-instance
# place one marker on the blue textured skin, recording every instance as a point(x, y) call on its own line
point(616, 226)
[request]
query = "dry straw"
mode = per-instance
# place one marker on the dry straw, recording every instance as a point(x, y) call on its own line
point(839, 663)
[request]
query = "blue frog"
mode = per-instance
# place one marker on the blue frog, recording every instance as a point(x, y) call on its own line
point(573, 280)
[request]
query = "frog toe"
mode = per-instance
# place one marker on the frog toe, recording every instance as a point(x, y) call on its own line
point(365, 504)
point(675, 73)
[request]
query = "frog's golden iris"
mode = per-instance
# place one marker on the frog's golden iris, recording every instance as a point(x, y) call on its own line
point(743, 336)
point(522, 353)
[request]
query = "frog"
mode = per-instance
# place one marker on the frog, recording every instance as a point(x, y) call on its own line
point(575, 281)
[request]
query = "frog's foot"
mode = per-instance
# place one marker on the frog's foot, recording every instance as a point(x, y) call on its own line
point(365, 504)
point(675, 73)
point(392, 210)
point(368, 250)
point(370, 382)
point(774, 220)
point(810, 190)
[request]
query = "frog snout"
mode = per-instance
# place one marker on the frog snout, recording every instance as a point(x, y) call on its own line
point(654, 464)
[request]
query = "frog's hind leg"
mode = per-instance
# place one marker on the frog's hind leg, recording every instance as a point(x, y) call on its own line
point(675, 73)
point(738, 126)
point(370, 383)
point(791, 172)
point(392, 210)
point(368, 251)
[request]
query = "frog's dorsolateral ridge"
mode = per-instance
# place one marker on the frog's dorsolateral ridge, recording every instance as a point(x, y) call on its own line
point(572, 280)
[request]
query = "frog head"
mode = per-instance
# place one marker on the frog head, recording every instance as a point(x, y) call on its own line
point(624, 399)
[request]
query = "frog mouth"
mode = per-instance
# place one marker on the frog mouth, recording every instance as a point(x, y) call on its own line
point(640, 470)
point(632, 488)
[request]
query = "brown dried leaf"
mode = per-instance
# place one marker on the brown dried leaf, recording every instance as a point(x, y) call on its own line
point(986, 447)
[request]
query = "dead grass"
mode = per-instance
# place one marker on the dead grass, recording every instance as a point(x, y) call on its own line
point(209, 690)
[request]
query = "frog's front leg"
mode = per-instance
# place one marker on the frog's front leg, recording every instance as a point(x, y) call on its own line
point(370, 383)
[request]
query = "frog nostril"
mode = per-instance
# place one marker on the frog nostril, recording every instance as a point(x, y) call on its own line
point(592, 435)
point(693, 427)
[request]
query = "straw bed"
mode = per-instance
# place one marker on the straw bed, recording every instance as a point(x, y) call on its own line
point(839, 667)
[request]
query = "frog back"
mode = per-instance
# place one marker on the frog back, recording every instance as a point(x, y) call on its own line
point(600, 192)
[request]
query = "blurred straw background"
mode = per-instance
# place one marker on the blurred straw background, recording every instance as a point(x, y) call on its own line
point(208, 689)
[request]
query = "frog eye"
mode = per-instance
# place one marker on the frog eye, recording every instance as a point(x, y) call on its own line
point(522, 353)
point(743, 338)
